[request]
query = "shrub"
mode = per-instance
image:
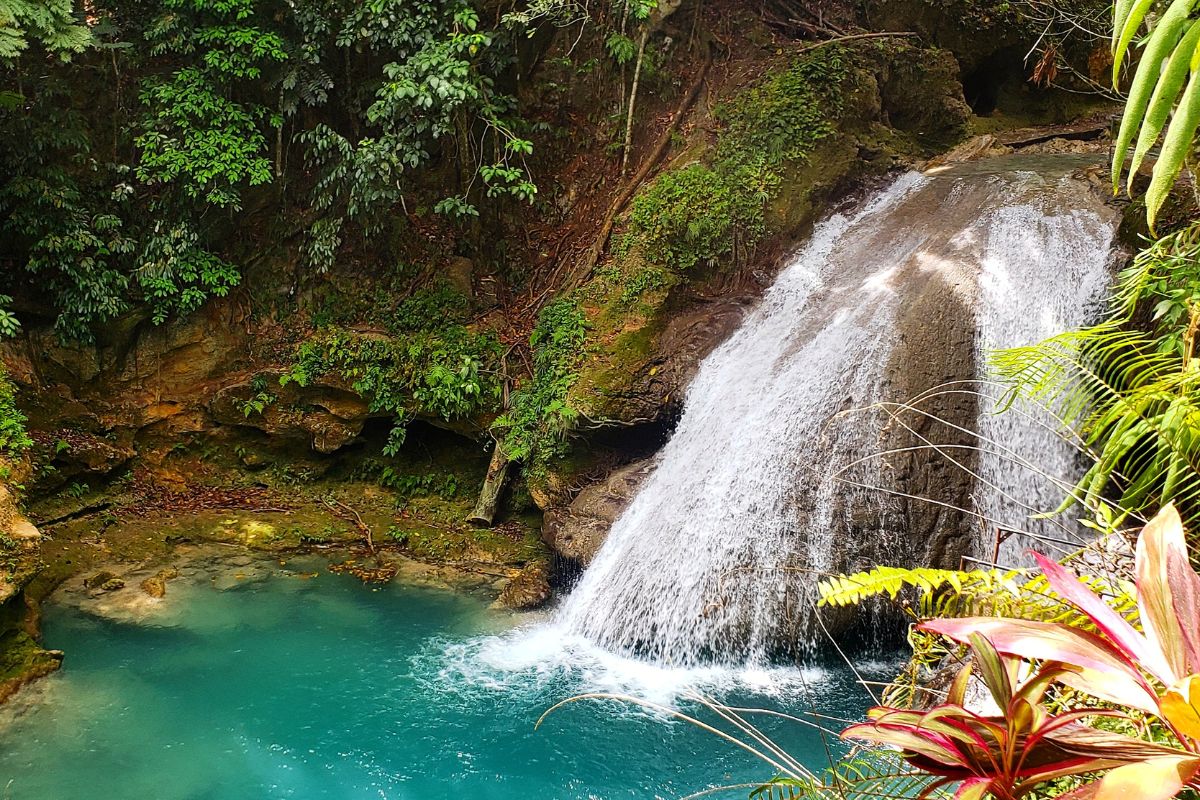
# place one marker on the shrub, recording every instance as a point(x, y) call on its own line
point(703, 213)
point(13, 436)
point(1149, 676)
point(449, 373)
point(534, 427)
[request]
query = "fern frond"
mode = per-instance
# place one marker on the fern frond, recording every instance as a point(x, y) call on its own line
point(866, 773)
point(1136, 407)
point(848, 590)
point(950, 593)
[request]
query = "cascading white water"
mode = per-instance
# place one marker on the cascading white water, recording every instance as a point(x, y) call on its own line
point(767, 464)
point(1045, 269)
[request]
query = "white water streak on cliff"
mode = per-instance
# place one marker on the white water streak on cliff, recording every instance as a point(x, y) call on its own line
point(1044, 270)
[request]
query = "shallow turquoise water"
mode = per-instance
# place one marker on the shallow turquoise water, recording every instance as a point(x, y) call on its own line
point(324, 688)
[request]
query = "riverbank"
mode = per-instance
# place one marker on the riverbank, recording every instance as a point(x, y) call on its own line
point(119, 551)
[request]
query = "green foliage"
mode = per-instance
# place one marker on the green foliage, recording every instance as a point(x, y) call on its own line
point(430, 308)
point(693, 215)
point(177, 274)
point(866, 774)
point(782, 119)
point(1147, 673)
point(258, 402)
point(9, 324)
point(202, 142)
point(1133, 397)
point(439, 93)
point(448, 373)
point(195, 136)
point(13, 437)
point(646, 279)
point(117, 165)
point(1164, 278)
point(701, 214)
point(953, 593)
point(49, 23)
point(1165, 85)
point(534, 427)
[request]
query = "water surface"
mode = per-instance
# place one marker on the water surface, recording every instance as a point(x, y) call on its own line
point(325, 688)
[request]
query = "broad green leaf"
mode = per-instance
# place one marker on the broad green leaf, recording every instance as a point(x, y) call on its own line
point(992, 670)
point(1176, 146)
point(1128, 28)
point(1120, 12)
point(1166, 33)
point(1166, 92)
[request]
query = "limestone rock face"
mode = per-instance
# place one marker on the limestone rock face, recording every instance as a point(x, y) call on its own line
point(577, 530)
point(641, 377)
point(325, 415)
point(13, 524)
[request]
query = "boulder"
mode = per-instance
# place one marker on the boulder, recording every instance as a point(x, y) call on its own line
point(577, 531)
point(155, 586)
point(640, 376)
point(528, 589)
point(99, 579)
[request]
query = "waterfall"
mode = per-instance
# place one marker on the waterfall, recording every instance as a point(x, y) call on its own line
point(1042, 273)
point(768, 477)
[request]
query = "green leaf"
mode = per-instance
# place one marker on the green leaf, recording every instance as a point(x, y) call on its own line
point(1166, 92)
point(1166, 34)
point(1176, 146)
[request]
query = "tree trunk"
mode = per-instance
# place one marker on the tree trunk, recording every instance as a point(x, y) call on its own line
point(633, 91)
point(484, 513)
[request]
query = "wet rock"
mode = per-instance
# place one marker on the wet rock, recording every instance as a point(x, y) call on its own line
point(13, 524)
point(325, 415)
point(640, 377)
point(155, 586)
point(974, 148)
point(529, 589)
point(99, 579)
point(576, 531)
point(112, 584)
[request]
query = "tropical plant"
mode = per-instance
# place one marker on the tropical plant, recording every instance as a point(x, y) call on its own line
point(1005, 755)
point(1166, 86)
point(534, 426)
point(954, 593)
point(1129, 394)
point(50, 23)
point(1154, 671)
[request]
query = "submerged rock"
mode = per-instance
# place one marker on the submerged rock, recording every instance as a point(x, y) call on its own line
point(98, 580)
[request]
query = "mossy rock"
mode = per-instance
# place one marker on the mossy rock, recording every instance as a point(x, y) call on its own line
point(23, 659)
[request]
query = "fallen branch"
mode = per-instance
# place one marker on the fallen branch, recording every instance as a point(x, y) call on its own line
point(856, 36)
point(334, 505)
